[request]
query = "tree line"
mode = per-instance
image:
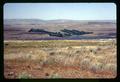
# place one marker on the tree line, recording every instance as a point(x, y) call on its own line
point(62, 33)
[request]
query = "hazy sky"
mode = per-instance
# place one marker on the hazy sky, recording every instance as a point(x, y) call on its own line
point(52, 11)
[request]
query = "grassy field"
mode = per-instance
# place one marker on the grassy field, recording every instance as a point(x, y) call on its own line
point(60, 59)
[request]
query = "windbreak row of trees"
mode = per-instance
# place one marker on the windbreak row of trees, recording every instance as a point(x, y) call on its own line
point(75, 32)
point(62, 33)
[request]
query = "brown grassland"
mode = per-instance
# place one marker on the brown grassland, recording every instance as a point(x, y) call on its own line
point(60, 59)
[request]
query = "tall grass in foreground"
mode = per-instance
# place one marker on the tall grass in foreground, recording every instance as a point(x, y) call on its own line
point(94, 56)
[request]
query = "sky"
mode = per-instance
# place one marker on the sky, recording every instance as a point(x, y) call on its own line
point(53, 11)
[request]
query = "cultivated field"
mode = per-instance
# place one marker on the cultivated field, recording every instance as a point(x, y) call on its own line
point(60, 59)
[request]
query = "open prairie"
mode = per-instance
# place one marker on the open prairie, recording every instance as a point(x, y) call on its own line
point(60, 40)
point(60, 58)
point(16, 29)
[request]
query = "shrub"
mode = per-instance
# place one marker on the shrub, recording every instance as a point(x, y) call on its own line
point(110, 67)
point(78, 51)
point(84, 64)
point(6, 44)
point(70, 47)
point(98, 49)
point(10, 73)
point(52, 53)
point(56, 75)
point(94, 51)
point(51, 61)
point(24, 75)
point(39, 55)
point(96, 67)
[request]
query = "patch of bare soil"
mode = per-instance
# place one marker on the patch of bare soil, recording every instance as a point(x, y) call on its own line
point(14, 68)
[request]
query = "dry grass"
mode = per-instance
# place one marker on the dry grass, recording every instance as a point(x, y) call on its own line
point(93, 55)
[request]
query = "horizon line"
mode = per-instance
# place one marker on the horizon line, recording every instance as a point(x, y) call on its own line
point(54, 19)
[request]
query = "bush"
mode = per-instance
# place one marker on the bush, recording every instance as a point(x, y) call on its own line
point(96, 67)
point(78, 51)
point(98, 48)
point(51, 61)
point(6, 44)
point(85, 63)
point(70, 47)
point(94, 51)
point(39, 55)
point(52, 53)
point(55, 76)
point(24, 75)
point(110, 67)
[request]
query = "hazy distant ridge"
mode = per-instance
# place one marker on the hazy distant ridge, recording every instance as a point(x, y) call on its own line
point(39, 21)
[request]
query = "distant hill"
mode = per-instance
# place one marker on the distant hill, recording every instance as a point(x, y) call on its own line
point(23, 21)
point(19, 29)
point(39, 21)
